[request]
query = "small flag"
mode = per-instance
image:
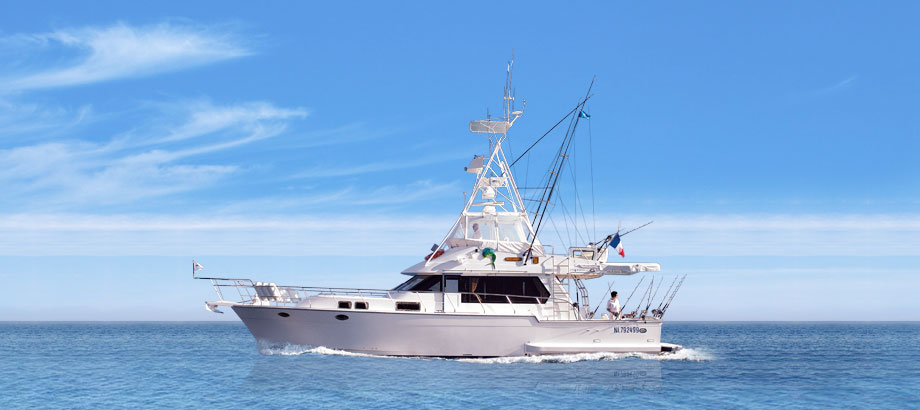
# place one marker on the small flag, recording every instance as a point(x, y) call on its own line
point(196, 267)
point(615, 243)
point(584, 115)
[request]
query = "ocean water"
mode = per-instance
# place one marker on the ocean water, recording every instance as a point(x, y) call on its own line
point(219, 365)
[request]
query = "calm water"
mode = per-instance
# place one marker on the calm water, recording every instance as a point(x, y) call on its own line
point(219, 365)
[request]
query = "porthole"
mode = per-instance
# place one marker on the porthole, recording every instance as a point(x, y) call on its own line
point(361, 305)
point(344, 304)
point(284, 314)
point(341, 317)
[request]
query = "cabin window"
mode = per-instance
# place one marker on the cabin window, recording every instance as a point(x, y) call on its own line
point(361, 305)
point(451, 284)
point(420, 283)
point(430, 284)
point(510, 232)
point(583, 253)
point(493, 289)
point(344, 304)
point(407, 285)
point(408, 306)
point(480, 229)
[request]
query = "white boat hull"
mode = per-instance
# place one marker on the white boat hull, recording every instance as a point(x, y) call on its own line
point(447, 334)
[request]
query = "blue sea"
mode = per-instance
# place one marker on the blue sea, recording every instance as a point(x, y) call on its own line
point(219, 365)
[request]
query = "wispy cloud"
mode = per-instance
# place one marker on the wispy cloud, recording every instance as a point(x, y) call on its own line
point(205, 118)
point(335, 234)
point(123, 169)
point(843, 84)
point(335, 170)
point(344, 198)
point(771, 234)
point(117, 51)
point(348, 133)
point(22, 121)
point(76, 234)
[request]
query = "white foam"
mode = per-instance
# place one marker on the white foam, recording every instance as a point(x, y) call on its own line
point(685, 354)
point(690, 355)
point(288, 349)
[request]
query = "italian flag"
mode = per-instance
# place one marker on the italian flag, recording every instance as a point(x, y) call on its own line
point(615, 243)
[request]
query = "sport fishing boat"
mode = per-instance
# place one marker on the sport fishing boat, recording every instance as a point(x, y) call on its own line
point(490, 288)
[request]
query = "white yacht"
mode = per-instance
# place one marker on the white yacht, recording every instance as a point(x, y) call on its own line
point(489, 288)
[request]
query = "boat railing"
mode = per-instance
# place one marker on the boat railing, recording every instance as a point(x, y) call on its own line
point(271, 294)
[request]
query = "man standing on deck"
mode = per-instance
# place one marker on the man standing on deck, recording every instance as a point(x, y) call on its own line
point(613, 306)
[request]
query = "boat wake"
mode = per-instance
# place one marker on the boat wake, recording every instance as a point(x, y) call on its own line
point(287, 349)
point(685, 354)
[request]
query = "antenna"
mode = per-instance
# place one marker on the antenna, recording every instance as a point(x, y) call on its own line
point(496, 128)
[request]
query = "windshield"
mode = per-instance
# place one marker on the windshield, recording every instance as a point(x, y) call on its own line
point(409, 283)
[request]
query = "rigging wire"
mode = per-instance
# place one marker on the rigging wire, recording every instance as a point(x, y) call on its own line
point(591, 161)
point(578, 203)
point(551, 129)
point(563, 150)
point(568, 217)
point(555, 228)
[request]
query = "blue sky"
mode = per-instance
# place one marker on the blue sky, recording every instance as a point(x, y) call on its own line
point(773, 145)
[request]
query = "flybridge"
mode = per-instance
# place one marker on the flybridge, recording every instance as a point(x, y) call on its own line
point(494, 216)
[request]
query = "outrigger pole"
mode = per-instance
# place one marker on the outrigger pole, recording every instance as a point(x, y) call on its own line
point(556, 171)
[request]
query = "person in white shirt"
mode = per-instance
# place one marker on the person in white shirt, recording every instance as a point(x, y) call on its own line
point(613, 306)
point(476, 233)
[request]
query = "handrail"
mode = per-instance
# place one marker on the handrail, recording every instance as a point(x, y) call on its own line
point(386, 293)
point(292, 295)
point(359, 291)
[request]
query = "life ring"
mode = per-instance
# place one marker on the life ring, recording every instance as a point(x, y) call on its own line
point(436, 254)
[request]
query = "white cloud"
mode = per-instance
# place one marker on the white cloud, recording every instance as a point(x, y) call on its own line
point(845, 83)
point(205, 118)
point(65, 174)
point(121, 51)
point(334, 170)
point(376, 234)
point(348, 196)
point(20, 121)
point(61, 175)
point(74, 234)
point(771, 234)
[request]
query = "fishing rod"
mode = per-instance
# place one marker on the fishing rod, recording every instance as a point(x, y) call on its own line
point(658, 309)
point(602, 299)
point(665, 309)
point(636, 228)
point(605, 243)
point(651, 299)
point(639, 306)
point(631, 294)
point(647, 292)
